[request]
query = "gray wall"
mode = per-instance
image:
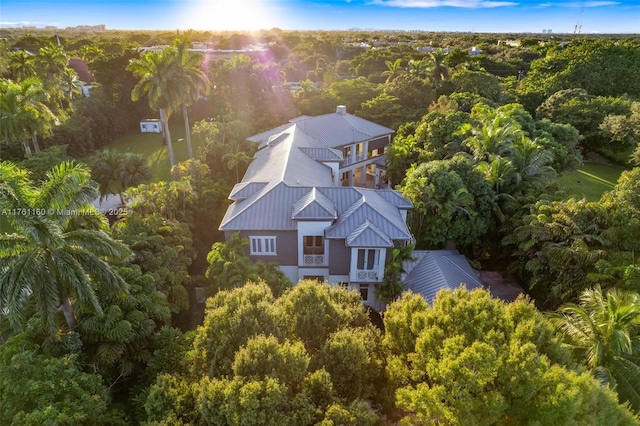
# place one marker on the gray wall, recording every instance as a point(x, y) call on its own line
point(339, 258)
point(286, 246)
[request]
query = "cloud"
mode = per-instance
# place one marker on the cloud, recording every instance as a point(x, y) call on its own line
point(544, 5)
point(600, 3)
point(466, 4)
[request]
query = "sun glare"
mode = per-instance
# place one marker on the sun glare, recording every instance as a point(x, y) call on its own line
point(222, 15)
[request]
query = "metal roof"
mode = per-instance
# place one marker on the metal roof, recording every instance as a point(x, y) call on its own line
point(435, 270)
point(314, 205)
point(286, 181)
point(244, 190)
point(333, 130)
point(368, 235)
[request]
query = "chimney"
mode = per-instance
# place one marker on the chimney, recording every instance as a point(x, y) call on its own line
point(341, 109)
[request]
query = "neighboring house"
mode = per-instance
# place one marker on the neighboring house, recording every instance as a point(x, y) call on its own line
point(434, 270)
point(295, 211)
point(84, 75)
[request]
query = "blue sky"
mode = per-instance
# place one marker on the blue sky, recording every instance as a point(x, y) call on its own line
point(596, 16)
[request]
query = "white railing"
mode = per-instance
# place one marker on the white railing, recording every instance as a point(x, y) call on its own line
point(367, 275)
point(313, 259)
point(357, 158)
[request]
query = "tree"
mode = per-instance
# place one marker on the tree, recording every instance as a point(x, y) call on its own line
point(394, 69)
point(471, 359)
point(229, 267)
point(439, 71)
point(23, 113)
point(196, 82)
point(235, 160)
point(392, 287)
point(603, 331)
point(37, 389)
point(21, 65)
point(116, 171)
point(164, 85)
point(60, 250)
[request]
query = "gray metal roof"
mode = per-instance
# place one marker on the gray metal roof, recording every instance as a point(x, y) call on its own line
point(323, 154)
point(333, 130)
point(314, 205)
point(435, 270)
point(368, 235)
point(244, 190)
point(286, 181)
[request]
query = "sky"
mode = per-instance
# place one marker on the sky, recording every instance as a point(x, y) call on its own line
point(560, 16)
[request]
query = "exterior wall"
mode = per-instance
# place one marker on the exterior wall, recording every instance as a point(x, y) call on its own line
point(291, 272)
point(335, 170)
point(379, 143)
point(286, 247)
point(339, 258)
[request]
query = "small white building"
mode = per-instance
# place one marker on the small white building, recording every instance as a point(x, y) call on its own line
point(151, 125)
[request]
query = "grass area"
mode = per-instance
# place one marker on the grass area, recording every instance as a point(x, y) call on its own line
point(150, 146)
point(591, 181)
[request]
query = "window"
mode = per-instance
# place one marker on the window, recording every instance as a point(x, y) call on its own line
point(313, 244)
point(263, 245)
point(364, 291)
point(367, 259)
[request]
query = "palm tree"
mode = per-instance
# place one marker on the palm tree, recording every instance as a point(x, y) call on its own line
point(531, 162)
point(163, 84)
point(493, 136)
point(72, 86)
point(196, 82)
point(115, 172)
point(23, 113)
point(394, 69)
point(21, 65)
point(604, 330)
point(439, 70)
point(60, 250)
point(235, 160)
point(418, 68)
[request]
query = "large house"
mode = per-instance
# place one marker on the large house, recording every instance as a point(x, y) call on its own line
point(314, 201)
point(298, 204)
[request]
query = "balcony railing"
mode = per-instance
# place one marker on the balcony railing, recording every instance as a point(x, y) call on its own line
point(313, 259)
point(359, 157)
point(367, 275)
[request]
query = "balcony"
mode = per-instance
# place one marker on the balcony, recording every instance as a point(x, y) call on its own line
point(367, 275)
point(357, 158)
point(313, 259)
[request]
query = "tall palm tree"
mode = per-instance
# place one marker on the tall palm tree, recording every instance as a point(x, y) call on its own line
point(23, 113)
point(439, 70)
point(163, 84)
point(418, 68)
point(60, 249)
point(196, 82)
point(604, 330)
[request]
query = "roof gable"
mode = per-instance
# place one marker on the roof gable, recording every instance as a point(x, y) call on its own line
point(368, 235)
point(314, 205)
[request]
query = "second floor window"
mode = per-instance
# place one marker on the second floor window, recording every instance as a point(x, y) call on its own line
point(313, 244)
point(263, 245)
point(367, 259)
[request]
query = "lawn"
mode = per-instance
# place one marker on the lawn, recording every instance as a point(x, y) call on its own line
point(591, 181)
point(150, 146)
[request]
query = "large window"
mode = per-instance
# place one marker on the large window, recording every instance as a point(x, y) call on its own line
point(367, 259)
point(263, 245)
